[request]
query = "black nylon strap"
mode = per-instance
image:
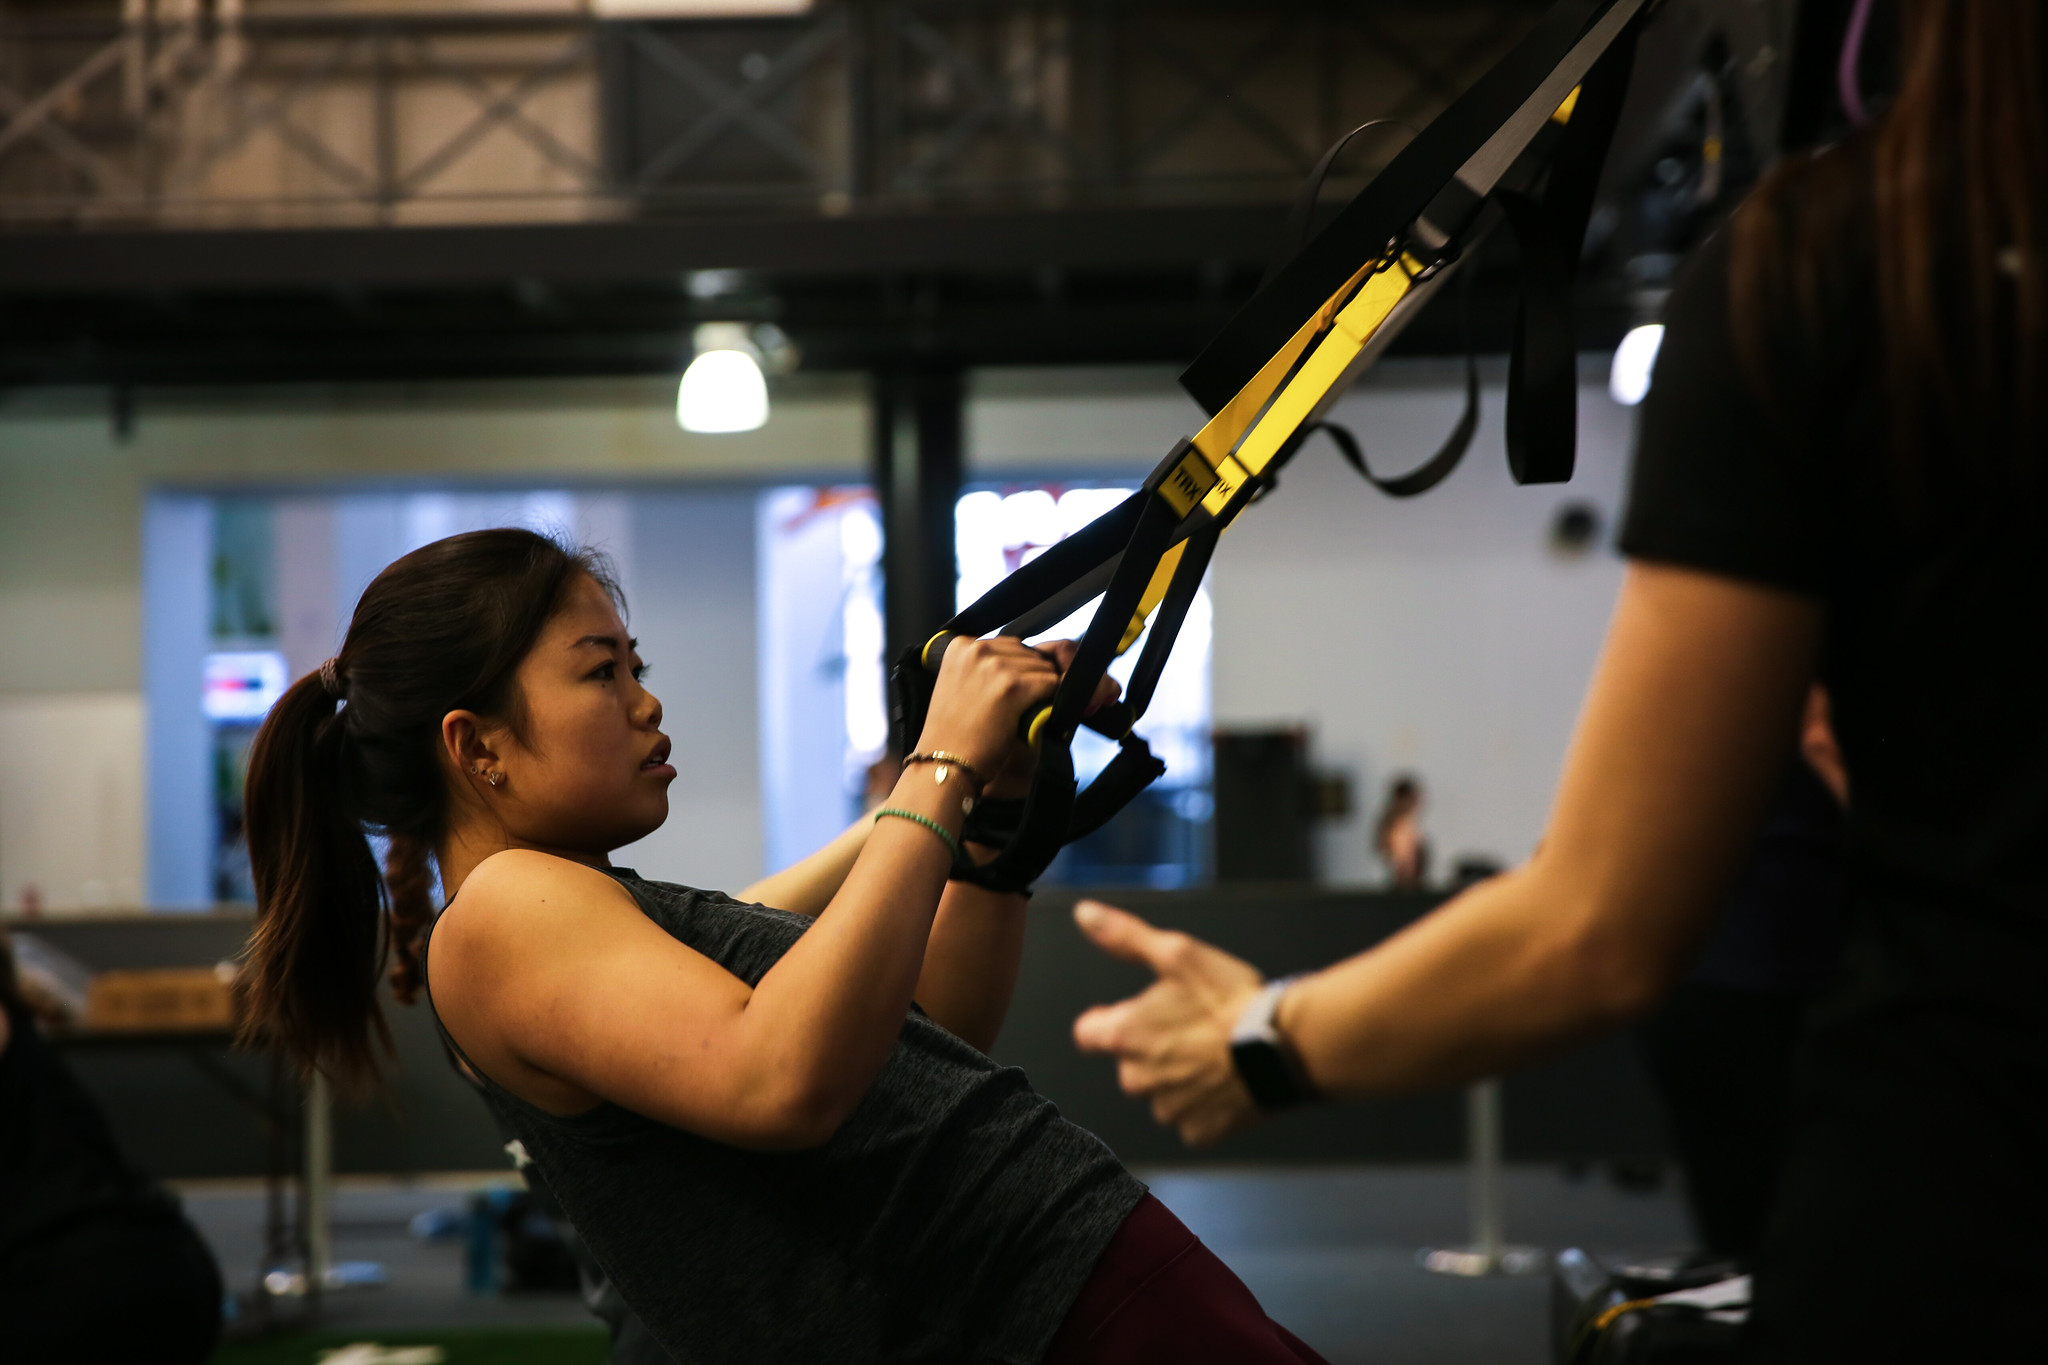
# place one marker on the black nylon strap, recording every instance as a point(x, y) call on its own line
point(1132, 770)
point(1149, 541)
point(1430, 472)
point(1065, 603)
point(1295, 235)
point(1394, 199)
point(1097, 543)
point(1550, 232)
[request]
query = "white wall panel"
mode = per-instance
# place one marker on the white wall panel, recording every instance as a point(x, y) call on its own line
point(71, 783)
point(690, 587)
point(1439, 635)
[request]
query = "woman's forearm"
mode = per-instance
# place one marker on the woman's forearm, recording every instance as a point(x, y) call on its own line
point(823, 1018)
point(977, 939)
point(808, 886)
point(970, 965)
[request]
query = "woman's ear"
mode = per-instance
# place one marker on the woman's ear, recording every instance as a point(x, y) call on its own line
point(467, 746)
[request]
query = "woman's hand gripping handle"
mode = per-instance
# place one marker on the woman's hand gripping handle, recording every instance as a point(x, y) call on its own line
point(986, 697)
point(983, 691)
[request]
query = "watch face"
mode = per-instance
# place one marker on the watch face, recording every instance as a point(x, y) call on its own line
point(1263, 1067)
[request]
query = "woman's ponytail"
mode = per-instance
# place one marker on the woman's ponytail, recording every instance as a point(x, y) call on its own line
point(309, 985)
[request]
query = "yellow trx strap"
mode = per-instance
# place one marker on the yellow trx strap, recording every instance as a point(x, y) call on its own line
point(1240, 441)
point(1155, 593)
point(1257, 424)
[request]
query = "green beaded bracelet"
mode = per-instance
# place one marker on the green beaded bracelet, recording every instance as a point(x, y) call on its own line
point(925, 820)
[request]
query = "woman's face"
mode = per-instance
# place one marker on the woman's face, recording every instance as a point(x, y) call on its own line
point(589, 770)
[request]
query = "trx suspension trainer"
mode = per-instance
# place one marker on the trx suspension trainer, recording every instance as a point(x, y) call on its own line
point(1530, 137)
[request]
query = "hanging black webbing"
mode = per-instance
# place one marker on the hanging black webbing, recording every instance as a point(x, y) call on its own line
point(1272, 375)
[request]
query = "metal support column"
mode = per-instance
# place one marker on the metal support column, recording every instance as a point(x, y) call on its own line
point(1488, 1253)
point(917, 462)
point(318, 1189)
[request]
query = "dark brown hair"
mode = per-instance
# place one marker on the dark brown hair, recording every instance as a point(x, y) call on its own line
point(442, 629)
point(1942, 201)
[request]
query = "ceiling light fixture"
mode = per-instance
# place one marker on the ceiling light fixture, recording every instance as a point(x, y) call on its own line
point(723, 390)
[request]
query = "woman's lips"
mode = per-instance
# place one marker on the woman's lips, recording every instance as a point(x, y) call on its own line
point(657, 764)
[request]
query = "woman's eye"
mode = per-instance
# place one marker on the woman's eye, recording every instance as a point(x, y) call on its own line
point(605, 672)
point(640, 671)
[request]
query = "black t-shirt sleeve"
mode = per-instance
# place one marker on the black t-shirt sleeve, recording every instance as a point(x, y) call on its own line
point(1714, 485)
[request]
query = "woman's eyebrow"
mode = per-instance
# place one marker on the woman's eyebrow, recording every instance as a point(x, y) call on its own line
point(610, 642)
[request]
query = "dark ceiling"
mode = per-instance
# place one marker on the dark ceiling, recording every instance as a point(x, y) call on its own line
point(976, 230)
point(915, 290)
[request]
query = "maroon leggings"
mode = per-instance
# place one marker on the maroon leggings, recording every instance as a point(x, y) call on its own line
point(1158, 1294)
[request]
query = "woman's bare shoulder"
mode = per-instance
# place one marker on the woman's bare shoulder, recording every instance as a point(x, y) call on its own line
point(522, 902)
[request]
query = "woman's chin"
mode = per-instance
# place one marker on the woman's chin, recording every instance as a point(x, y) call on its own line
point(653, 818)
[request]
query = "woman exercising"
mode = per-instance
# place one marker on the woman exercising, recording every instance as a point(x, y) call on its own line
point(772, 1126)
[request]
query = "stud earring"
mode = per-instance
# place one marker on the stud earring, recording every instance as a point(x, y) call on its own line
point(494, 777)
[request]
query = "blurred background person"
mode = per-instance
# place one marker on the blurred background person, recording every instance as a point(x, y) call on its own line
point(1398, 837)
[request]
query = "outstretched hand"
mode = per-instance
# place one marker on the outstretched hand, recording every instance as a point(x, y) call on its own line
point(1172, 1040)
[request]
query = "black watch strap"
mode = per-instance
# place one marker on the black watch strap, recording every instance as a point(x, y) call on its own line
point(1266, 1062)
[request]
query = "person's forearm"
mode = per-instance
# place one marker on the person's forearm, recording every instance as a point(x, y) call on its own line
point(825, 1016)
point(1509, 971)
point(808, 886)
point(970, 965)
point(1682, 739)
point(977, 939)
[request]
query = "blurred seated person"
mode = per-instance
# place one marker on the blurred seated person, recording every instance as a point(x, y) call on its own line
point(97, 1264)
point(1720, 1045)
point(1398, 838)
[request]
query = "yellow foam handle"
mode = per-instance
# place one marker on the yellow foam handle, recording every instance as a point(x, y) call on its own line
point(1036, 730)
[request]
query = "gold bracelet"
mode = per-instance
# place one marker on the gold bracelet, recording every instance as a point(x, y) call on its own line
point(946, 761)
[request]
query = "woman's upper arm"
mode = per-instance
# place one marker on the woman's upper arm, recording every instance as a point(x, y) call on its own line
point(551, 977)
point(1690, 720)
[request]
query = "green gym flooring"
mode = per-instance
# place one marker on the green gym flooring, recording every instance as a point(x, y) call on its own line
point(528, 1346)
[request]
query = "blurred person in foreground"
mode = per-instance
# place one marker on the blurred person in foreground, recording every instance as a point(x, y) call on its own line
point(97, 1264)
point(1840, 474)
point(1720, 1044)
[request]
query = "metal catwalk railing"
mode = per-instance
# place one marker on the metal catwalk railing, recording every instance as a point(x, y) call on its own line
point(205, 112)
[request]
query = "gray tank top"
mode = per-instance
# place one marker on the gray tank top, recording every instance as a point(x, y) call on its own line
point(952, 1219)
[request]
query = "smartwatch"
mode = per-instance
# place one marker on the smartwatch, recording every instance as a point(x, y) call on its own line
point(1266, 1062)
